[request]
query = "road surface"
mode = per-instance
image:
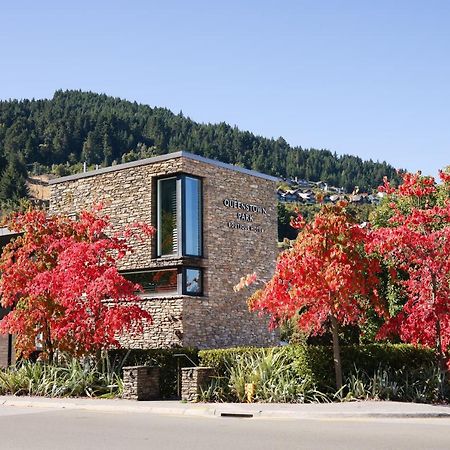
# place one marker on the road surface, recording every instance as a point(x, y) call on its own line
point(38, 428)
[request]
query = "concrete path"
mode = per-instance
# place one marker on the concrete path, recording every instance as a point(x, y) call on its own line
point(381, 409)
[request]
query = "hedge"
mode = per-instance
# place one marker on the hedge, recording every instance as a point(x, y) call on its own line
point(163, 358)
point(316, 362)
point(313, 362)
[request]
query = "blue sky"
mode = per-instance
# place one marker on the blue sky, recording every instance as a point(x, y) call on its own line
point(369, 78)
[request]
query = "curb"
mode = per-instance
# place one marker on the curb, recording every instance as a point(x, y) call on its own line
point(213, 411)
point(107, 408)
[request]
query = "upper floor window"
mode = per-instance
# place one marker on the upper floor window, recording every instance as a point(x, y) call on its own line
point(167, 223)
point(179, 216)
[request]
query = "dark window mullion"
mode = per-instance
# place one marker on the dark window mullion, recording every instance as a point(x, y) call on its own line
point(201, 222)
point(192, 216)
point(180, 280)
point(182, 215)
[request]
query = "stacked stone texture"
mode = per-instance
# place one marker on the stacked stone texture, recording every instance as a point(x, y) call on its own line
point(3, 350)
point(223, 319)
point(141, 383)
point(220, 318)
point(4, 345)
point(193, 381)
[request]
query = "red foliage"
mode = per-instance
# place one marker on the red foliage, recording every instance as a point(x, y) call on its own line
point(324, 274)
point(413, 185)
point(444, 176)
point(416, 185)
point(387, 188)
point(61, 282)
point(419, 245)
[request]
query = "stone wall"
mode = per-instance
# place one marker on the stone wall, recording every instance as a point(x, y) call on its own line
point(3, 350)
point(222, 319)
point(141, 383)
point(233, 247)
point(4, 345)
point(127, 196)
point(166, 331)
point(193, 380)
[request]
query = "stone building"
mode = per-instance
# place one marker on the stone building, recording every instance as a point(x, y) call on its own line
point(215, 223)
point(6, 346)
point(7, 356)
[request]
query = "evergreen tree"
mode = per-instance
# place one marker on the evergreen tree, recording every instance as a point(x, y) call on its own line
point(76, 126)
point(13, 181)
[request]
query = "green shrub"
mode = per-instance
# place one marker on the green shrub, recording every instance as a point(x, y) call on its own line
point(385, 371)
point(294, 373)
point(396, 356)
point(273, 372)
point(270, 372)
point(222, 359)
point(318, 361)
point(274, 375)
point(414, 385)
point(306, 362)
point(162, 358)
point(67, 378)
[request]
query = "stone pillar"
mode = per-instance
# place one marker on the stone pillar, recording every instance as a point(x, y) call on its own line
point(141, 383)
point(193, 380)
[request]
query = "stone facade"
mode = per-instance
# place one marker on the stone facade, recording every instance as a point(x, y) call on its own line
point(234, 244)
point(7, 355)
point(141, 383)
point(4, 350)
point(193, 380)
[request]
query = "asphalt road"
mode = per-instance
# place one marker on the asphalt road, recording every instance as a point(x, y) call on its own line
point(34, 428)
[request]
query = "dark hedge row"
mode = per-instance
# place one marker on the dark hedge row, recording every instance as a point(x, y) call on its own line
point(313, 362)
point(316, 362)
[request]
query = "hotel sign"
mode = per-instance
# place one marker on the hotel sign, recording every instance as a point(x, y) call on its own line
point(245, 215)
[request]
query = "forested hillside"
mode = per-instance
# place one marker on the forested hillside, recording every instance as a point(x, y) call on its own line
point(75, 127)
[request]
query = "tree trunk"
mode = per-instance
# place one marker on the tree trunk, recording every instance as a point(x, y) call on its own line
point(48, 347)
point(441, 361)
point(440, 355)
point(336, 352)
point(439, 351)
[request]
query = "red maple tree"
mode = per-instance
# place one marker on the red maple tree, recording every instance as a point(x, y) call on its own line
point(325, 279)
point(415, 243)
point(61, 284)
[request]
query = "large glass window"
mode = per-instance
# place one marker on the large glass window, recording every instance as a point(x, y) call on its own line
point(186, 280)
point(167, 217)
point(192, 216)
point(155, 281)
point(179, 216)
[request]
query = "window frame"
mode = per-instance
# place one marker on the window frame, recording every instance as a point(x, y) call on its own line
point(154, 270)
point(182, 208)
point(180, 216)
point(181, 281)
point(184, 270)
point(158, 217)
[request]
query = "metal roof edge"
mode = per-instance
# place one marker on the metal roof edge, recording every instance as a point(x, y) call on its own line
point(160, 158)
point(223, 165)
